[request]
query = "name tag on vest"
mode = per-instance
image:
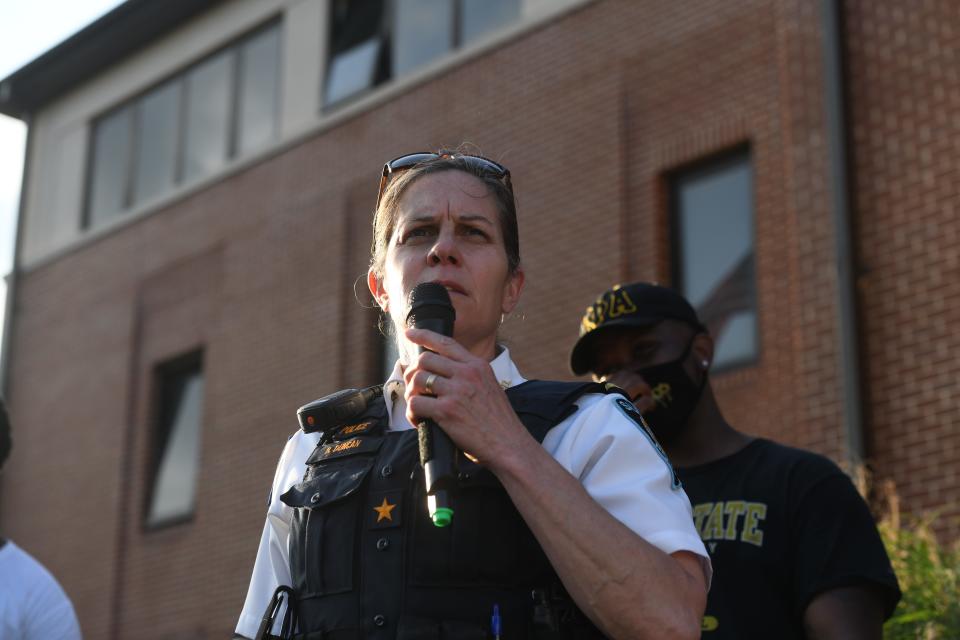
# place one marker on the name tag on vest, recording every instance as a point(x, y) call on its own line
point(344, 448)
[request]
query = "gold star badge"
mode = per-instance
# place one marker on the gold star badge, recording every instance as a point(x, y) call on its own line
point(383, 511)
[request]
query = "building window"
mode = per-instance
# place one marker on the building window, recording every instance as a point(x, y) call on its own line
point(207, 118)
point(154, 164)
point(112, 149)
point(357, 52)
point(259, 90)
point(186, 128)
point(176, 442)
point(373, 41)
point(423, 30)
point(479, 17)
point(714, 263)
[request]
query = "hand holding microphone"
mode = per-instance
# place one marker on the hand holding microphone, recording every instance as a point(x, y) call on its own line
point(430, 308)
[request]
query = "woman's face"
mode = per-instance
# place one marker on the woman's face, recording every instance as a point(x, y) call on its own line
point(448, 231)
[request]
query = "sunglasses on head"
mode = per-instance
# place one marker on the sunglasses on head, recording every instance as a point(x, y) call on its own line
point(411, 160)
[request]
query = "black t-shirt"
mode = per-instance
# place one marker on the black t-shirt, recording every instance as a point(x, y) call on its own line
point(781, 525)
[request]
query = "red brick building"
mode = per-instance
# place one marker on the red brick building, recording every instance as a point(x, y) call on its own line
point(196, 214)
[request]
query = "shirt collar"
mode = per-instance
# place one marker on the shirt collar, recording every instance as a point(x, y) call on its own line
point(503, 367)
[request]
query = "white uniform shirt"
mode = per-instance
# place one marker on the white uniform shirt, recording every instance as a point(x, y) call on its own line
point(33, 606)
point(614, 459)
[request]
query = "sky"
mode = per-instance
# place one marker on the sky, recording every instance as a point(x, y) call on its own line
point(28, 28)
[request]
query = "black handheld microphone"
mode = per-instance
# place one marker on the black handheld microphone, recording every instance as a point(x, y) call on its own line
point(430, 308)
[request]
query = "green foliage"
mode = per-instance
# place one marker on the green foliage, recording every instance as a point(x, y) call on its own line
point(929, 575)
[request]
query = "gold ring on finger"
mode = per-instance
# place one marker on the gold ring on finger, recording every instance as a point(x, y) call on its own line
point(428, 385)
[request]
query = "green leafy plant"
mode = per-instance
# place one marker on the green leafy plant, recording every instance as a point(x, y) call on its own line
point(928, 571)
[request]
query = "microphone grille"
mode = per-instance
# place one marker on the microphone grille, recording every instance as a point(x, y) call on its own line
point(429, 300)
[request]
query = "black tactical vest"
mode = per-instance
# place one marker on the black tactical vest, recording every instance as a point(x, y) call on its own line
point(367, 562)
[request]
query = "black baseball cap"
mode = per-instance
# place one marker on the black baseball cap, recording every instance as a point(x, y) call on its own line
point(640, 304)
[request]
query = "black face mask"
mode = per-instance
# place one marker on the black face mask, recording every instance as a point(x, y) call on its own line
point(675, 395)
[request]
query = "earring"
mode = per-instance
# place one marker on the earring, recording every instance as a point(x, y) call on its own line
point(706, 363)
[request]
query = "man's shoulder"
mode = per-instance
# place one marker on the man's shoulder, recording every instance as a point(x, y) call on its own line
point(779, 471)
point(805, 475)
point(789, 458)
point(803, 459)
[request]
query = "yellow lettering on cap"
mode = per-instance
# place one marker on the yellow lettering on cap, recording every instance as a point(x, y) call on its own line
point(610, 304)
point(620, 303)
point(589, 321)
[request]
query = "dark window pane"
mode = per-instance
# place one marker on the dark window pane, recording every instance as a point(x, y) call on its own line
point(352, 71)
point(110, 166)
point(423, 31)
point(353, 22)
point(357, 59)
point(715, 224)
point(207, 116)
point(259, 89)
point(158, 121)
point(481, 16)
point(175, 482)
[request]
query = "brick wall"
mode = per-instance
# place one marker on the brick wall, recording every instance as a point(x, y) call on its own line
point(905, 114)
point(590, 112)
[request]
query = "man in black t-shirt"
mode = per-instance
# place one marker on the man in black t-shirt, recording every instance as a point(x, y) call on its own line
point(795, 551)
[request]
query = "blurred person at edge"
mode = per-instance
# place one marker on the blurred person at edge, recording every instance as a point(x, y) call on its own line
point(795, 549)
point(33, 606)
point(568, 520)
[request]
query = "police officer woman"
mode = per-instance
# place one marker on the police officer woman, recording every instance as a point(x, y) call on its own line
point(569, 521)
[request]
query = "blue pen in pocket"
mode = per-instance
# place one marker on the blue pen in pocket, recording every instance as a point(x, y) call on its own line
point(495, 622)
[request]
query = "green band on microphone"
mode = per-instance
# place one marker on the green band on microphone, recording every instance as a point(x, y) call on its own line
point(443, 516)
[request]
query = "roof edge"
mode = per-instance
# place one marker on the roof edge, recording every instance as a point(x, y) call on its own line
point(109, 39)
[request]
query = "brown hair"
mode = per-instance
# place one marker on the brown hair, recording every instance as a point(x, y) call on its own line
point(385, 217)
